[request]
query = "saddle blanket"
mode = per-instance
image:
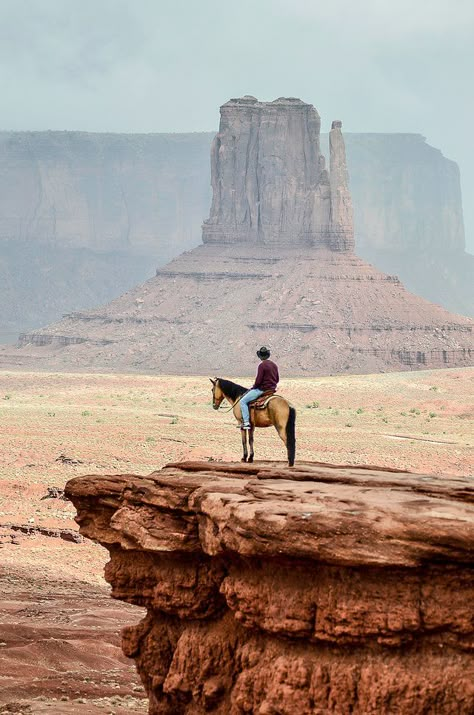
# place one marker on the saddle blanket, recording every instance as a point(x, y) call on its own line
point(261, 402)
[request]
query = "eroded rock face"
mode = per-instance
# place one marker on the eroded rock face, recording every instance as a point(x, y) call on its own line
point(313, 590)
point(269, 180)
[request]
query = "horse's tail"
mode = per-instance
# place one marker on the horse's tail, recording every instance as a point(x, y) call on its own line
point(290, 437)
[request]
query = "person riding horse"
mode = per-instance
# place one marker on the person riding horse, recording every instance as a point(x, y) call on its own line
point(266, 381)
point(276, 410)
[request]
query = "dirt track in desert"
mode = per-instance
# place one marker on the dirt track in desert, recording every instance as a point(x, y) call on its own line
point(59, 631)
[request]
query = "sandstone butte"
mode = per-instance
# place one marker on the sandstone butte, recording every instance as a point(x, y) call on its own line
point(276, 266)
point(85, 217)
point(269, 590)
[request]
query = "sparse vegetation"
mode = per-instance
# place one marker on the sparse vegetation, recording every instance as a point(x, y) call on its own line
point(85, 418)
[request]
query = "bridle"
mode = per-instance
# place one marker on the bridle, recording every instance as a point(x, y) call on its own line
point(214, 383)
point(216, 407)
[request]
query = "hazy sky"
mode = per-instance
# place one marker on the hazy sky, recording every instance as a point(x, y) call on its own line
point(167, 65)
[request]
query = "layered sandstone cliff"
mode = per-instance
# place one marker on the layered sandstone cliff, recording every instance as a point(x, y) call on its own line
point(273, 590)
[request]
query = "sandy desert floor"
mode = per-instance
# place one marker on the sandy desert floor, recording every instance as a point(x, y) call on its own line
point(59, 630)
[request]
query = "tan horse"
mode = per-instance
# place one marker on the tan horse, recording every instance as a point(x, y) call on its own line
point(278, 412)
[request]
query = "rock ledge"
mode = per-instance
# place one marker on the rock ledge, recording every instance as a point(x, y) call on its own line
point(317, 589)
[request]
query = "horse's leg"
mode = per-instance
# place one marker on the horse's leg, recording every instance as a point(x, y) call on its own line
point(243, 432)
point(250, 459)
point(284, 422)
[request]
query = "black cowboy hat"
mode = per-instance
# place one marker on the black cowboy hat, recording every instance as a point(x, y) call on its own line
point(263, 353)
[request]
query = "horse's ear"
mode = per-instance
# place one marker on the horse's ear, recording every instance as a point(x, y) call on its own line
point(213, 381)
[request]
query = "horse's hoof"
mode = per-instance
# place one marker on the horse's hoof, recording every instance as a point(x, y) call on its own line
point(250, 460)
point(243, 459)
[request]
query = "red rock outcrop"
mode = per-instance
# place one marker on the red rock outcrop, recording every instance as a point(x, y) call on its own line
point(273, 590)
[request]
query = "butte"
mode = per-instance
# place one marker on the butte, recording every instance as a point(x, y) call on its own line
point(276, 267)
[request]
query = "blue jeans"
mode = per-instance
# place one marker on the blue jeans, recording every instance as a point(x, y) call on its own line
point(244, 403)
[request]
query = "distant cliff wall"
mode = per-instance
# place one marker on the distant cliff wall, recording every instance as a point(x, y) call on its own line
point(83, 217)
point(135, 193)
point(408, 216)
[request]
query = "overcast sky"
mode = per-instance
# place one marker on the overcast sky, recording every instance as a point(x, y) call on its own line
point(167, 65)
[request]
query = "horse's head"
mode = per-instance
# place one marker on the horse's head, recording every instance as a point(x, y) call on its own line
point(217, 394)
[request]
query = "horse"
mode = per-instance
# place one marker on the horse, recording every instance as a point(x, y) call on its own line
point(278, 412)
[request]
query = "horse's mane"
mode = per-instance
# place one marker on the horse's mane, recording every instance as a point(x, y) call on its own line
point(231, 388)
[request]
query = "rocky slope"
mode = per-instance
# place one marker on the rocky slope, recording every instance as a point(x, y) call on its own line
point(84, 217)
point(208, 310)
point(272, 590)
point(254, 281)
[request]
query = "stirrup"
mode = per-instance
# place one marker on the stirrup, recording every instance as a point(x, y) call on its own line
point(245, 426)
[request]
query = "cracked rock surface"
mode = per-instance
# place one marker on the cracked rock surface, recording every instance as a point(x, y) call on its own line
point(316, 589)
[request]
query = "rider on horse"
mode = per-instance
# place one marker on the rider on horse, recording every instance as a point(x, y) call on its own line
point(266, 381)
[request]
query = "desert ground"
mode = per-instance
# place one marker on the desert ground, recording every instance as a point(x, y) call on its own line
point(59, 630)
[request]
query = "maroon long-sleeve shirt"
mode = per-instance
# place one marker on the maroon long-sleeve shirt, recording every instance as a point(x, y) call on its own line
point(267, 376)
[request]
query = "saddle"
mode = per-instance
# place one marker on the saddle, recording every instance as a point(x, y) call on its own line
point(261, 402)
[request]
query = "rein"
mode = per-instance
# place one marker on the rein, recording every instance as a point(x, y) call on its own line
point(235, 403)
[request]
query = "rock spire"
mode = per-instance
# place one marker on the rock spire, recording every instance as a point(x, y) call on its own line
point(269, 179)
point(341, 220)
